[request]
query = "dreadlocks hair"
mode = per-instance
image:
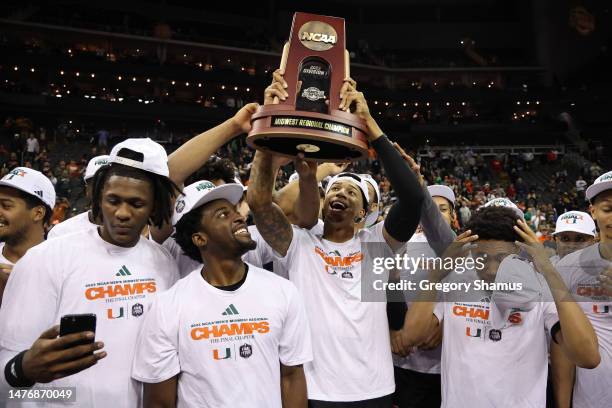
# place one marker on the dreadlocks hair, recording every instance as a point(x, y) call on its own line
point(32, 202)
point(188, 225)
point(495, 223)
point(215, 168)
point(164, 190)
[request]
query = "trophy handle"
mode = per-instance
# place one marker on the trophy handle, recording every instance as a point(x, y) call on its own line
point(347, 64)
point(283, 64)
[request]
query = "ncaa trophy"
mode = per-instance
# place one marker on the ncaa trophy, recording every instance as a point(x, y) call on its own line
point(315, 63)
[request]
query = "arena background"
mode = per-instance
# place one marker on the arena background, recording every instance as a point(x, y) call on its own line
point(495, 98)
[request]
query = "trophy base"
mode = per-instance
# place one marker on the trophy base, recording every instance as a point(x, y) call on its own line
point(282, 130)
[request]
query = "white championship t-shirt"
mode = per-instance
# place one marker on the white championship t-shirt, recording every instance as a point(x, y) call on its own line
point(484, 367)
point(78, 223)
point(422, 361)
point(352, 353)
point(226, 345)
point(580, 270)
point(259, 256)
point(82, 273)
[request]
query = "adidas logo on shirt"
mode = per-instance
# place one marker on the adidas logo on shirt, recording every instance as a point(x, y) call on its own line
point(123, 271)
point(230, 311)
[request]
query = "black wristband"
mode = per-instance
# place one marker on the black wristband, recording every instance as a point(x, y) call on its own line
point(13, 372)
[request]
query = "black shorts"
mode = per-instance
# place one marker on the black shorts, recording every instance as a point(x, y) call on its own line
point(416, 390)
point(382, 402)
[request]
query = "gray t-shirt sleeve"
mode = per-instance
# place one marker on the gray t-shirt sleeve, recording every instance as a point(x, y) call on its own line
point(439, 234)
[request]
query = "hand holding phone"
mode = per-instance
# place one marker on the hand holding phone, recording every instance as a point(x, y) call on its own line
point(52, 357)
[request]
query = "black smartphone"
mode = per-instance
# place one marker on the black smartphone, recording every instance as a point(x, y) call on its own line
point(77, 323)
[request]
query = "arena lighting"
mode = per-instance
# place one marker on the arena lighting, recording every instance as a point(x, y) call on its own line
point(222, 86)
point(186, 83)
point(416, 104)
point(68, 92)
point(16, 68)
point(248, 89)
point(58, 95)
point(200, 64)
point(77, 74)
point(435, 84)
point(235, 88)
point(173, 82)
point(488, 86)
point(70, 122)
point(427, 104)
point(140, 100)
point(119, 78)
point(32, 70)
point(133, 79)
point(375, 102)
point(572, 104)
point(148, 80)
point(229, 60)
point(527, 102)
point(462, 103)
point(69, 50)
point(61, 72)
point(386, 103)
point(93, 96)
point(120, 99)
point(537, 102)
point(518, 102)
point(199, 84)
point(86, 96)
point(447, 103)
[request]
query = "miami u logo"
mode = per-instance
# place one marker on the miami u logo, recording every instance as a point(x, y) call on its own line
point(228, 354)
point(601, 309)
point(470, 332)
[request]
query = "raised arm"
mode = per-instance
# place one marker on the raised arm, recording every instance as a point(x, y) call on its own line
point(403, 217)
point(192, 155)
point(576, 338)
point(270, 220)
point(301, 203)
point(439, 234)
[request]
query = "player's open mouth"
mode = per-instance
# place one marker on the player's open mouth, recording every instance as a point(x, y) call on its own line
point(337, 205)
point(242, 231)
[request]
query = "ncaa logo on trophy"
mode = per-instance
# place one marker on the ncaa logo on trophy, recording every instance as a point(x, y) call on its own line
point(315, 63)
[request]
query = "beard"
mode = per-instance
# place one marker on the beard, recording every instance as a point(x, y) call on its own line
point(13, 238)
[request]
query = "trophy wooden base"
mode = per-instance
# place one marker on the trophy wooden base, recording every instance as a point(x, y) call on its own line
point(327, 138)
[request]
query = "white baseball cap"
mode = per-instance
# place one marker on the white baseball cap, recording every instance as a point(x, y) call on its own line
point(601, 183)
point(239, 182)
point(504, 202)
point(575, 221)
point(514, 270)
point(439, 190)
point(372, 216)
point(356, 179)
point(94, 165)
point(31, 182)
point(155, 159)
point(202, 192)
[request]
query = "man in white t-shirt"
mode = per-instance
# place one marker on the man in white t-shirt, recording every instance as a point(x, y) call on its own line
point(588, 275)
point(84, 220)
point(417, 374)
point(27, 198)
point(111, 271)
point(352, 365)
point(215, 325)
point(574, 230)
point(494, 356)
